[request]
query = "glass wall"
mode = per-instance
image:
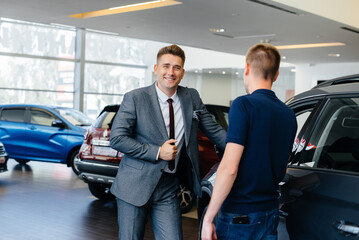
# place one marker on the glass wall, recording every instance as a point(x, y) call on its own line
point(37, 64)
point(38, 67)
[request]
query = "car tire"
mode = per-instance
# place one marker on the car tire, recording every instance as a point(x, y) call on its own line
point(201, 222)
point(186, 198)
point(74, 159)
point(101, 191)
point(22, 161)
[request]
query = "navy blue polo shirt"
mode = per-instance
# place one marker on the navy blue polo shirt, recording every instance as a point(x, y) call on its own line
point(266, 128)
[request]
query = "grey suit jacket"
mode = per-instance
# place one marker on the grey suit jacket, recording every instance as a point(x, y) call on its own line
point(139, 130)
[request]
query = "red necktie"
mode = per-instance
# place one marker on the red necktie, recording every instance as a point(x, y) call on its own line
point(171, 164)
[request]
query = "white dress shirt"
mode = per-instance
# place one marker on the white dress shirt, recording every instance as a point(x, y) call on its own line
point(179, 126)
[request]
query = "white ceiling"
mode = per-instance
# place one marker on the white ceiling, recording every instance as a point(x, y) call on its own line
point(189, 23)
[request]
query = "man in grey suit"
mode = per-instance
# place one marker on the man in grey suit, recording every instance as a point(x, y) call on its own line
point(159, 139)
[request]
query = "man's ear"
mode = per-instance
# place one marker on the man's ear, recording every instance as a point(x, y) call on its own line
point(155, 68)
point(246, 69)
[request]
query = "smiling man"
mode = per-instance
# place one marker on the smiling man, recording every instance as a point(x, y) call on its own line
point(156, 128)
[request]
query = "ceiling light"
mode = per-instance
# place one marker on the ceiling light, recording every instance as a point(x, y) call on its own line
point(217, 30)
point(293, 70)
point(334, 55)
point(284, 57)
point(312, 45)
point(126, 8)
point(134, 5)
point(209, 72)
point(237, 73)
point(223, 72)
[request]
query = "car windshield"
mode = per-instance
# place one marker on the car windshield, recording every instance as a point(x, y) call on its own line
point(75, 117)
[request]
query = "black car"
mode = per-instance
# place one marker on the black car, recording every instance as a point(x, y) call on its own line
point(3, 158)
point(319, 197)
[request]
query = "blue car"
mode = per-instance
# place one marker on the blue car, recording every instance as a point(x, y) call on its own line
point(42, 133)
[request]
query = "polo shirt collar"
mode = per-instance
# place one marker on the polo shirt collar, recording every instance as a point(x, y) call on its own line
point(265, 91)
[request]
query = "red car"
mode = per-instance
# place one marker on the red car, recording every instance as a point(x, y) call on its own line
point(98, 162)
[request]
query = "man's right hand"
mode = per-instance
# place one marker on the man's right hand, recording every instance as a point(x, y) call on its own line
point(168, 150)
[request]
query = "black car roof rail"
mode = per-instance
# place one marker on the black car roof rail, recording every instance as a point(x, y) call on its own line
point(340, 80)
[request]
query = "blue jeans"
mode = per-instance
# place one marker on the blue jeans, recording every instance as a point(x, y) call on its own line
point(261, 226)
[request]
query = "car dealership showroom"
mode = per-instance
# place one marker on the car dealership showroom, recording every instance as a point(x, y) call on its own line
point(65, 67)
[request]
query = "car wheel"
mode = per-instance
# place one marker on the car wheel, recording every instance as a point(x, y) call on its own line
point(201, 222)
point(74, 162)
point(186, 198)
point(22, 161)
point(101, 191)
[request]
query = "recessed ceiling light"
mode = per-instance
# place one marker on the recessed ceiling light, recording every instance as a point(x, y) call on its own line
point(334, 55)
point(196, 71)
point(237, 73)
point(284, 57)
point(209, 72)
point(223, 72)
point(126, 8)
point(217, 30)
point(311, 45)
point(293, 70)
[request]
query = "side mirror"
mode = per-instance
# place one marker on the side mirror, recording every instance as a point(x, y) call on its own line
point(58, 123)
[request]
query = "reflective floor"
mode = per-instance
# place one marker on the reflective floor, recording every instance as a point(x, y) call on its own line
point(47, 201)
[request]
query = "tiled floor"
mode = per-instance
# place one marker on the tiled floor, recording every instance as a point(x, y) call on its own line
point(41, 201)
point(46, 201)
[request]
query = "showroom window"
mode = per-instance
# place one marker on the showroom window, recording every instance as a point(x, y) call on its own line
point(37, 63)
point(113, 66)
point(44, 64)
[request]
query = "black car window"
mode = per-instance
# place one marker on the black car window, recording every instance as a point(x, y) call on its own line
point(304, 114)
point(41, 117)
point(334, 143)
point(13, 114)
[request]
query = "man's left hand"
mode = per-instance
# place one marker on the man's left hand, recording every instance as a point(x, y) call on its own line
point(208, 231)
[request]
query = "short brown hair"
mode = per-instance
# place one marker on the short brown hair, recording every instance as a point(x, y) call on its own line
point(264, 59)
point(172, 49)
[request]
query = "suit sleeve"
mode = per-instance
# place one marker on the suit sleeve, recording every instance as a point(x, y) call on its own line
point(207, 125)
point(123, 133)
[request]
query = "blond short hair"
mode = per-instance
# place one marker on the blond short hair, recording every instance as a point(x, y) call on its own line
point(264, 59)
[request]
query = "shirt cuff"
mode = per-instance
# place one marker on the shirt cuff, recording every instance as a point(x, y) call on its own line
point(158, 153)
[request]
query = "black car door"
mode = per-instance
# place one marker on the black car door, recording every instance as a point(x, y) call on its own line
point(321, 195)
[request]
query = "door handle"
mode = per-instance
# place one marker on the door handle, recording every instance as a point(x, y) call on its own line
point(347, 228)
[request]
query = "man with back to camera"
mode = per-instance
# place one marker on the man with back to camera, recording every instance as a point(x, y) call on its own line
point(156, 128)
point(260, 135)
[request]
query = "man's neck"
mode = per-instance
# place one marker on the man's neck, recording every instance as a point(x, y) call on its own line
point(169, 93)
point(260, 84)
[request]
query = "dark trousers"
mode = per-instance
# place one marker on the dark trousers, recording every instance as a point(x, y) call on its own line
point(163, 209)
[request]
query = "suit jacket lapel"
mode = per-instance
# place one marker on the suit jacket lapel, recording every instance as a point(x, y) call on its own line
point(156, 117)
point(187, 111)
